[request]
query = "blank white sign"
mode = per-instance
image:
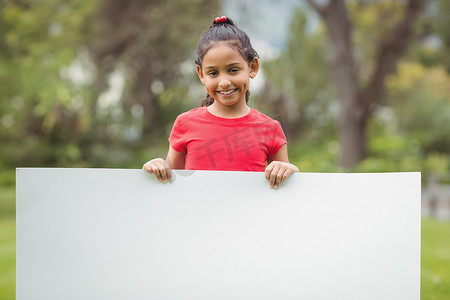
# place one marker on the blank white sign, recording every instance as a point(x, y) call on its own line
point(120, 234)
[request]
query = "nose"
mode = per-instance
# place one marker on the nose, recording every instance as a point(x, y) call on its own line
point(224, 82)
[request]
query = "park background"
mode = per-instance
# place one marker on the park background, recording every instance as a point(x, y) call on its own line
point(358, 86)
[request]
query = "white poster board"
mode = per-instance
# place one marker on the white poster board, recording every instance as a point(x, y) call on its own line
point(120, 234)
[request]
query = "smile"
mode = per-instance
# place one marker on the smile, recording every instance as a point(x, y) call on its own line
point(226, 93)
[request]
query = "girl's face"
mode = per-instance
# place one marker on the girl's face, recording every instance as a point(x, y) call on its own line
point(226, 74)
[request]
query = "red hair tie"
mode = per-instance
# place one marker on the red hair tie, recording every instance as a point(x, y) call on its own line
point(222, 19)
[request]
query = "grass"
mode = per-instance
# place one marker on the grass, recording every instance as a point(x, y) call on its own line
point(7, 258)
point(435, 276)
point(7, 243)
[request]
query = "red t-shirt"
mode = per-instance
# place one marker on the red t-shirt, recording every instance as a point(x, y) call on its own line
point(215, 143)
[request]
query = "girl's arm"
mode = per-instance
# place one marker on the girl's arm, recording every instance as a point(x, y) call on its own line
point(279, 168)
point(162, 168)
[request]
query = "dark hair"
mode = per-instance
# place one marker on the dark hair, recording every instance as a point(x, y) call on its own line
point(224, 30)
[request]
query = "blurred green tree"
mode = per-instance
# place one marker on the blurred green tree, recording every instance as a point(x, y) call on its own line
point(79, 79)
point(148, 41)
point(425, 92)
point(441, 22)
point(297, 90)
point(359, 69)
point(40, 110)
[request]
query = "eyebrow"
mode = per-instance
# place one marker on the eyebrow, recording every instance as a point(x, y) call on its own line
point(228, 66)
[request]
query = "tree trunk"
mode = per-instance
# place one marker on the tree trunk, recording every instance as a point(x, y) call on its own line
point(352, 114)
point(352, 135)
point(355, 103)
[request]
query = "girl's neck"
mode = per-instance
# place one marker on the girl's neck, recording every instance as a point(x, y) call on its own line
point(229, 112)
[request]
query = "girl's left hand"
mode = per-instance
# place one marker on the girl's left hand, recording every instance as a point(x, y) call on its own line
point(278, 171)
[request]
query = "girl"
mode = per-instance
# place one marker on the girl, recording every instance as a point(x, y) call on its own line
point(224, 133)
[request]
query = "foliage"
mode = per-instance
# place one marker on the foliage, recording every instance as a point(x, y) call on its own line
point(407, 128)
point(149, 47)
point(315, 155)
point(67, 99)
point(297, 89)
point(441, 25)
point(99, 83)
point(41, 111)
point(372, 23)
point(359, 66)
point(416, 118)
point(426, 93)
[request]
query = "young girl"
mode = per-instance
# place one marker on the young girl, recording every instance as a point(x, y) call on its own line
point(224, 133)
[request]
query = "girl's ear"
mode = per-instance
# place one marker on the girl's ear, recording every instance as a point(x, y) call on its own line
point(200, 73)
point(254, 67)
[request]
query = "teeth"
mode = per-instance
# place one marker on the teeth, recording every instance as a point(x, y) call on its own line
point(226, 92)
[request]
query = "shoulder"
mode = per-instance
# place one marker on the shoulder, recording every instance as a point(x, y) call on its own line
point(190, 114)
point(187, 122)
point(268, 126)
point(260, 117)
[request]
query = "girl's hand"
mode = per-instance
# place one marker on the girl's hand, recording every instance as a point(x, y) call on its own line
point(278, 171)
point(160, 168)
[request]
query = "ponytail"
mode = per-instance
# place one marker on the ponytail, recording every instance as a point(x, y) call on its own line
point(208, 101)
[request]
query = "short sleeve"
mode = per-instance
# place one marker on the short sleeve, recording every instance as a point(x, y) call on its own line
point(177, 137)
point(278, 139)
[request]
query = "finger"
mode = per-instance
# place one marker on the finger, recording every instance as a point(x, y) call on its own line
point(282, 175)
point(166, 175)
point(268, 170)
point(156, 172)
point(157, 168)
point(279, 178)
point(147, 167)
point(273, 175)
point(163, 174)
point(168, 170)
point(164, 170)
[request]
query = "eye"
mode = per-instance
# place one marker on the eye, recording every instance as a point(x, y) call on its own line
point(212, 73)
point(234, 70)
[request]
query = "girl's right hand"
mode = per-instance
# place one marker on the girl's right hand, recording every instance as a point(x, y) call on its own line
point(160, 168)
